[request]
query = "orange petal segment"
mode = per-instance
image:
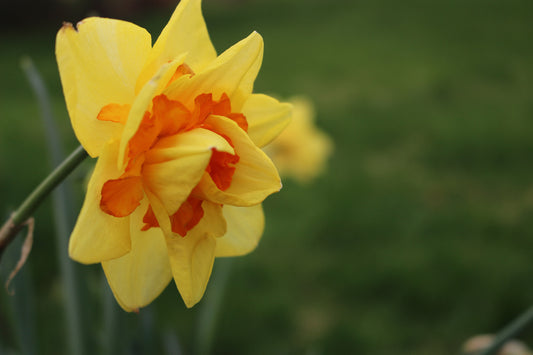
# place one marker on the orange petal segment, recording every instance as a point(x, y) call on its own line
point(223, 108)
point(240, 119)
point(221, 168)
point(121, 197)
point(145, 136)
point(143, 103)
point(187, 216)
point(185, 219)
point(149, 219)
point(203, 106)
point(114, 113)
point(172, 116)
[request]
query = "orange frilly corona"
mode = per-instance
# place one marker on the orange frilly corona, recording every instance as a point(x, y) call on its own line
point(180, 175)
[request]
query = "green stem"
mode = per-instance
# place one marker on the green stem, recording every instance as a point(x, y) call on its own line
point(29, 205)
point(76, 320)
point(509, 332)
point(26, 209)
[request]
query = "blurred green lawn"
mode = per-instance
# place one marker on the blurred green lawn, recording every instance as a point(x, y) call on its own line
point(418, 235)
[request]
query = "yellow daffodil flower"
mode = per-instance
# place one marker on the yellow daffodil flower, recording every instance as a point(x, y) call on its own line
point(180, 175)
point(301, 150)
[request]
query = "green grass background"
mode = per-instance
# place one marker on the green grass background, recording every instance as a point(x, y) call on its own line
point(417, 236)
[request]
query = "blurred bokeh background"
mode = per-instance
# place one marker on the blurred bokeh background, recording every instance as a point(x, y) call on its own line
point(416, 237)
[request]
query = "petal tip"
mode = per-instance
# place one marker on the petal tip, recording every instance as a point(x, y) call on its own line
point(192, 300)
point(67, 26)
point(255, 36)
point(190, 303)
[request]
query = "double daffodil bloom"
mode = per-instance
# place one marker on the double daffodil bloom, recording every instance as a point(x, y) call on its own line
point(301, 151)
point(180, 175)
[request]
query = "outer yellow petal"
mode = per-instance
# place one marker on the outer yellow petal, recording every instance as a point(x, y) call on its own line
point(266, 117)
point(98, 236)
point(138, 277)
point(255, 175)
point(186, 32)
point(192, 261)
point(245, 226)
point(233, 73)
point(143, 103)
point(175, 165)
point(99, 64)
point(192, 256)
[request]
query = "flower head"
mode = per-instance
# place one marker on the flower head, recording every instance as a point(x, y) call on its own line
point(180, 175)
point(301, 150)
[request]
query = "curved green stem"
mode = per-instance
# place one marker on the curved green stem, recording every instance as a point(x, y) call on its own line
point(26, 209)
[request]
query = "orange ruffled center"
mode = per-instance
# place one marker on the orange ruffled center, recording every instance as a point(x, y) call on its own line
point(120, 197)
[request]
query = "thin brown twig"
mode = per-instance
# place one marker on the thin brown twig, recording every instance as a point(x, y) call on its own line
point(8, 232)
point(24, 253)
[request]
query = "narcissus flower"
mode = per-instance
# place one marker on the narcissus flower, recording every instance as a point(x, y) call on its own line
point(301, 151)
point(180, 175)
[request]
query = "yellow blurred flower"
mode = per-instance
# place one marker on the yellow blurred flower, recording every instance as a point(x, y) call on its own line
point(301, 150)
point(480, 342)
point(180, 175)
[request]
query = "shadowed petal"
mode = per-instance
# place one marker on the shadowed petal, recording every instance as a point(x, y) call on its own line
point(244, 229)
point(97, 235)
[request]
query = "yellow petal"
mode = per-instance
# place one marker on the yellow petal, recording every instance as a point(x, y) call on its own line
point(175, 165)
point(143, 103)
point(233, 73)
point(186, 32)
point(99, 64)
point(244, 229)
point(138, 277)
point(98, 236)
point(255, 175)
point(192, 256)
point(266, 117)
